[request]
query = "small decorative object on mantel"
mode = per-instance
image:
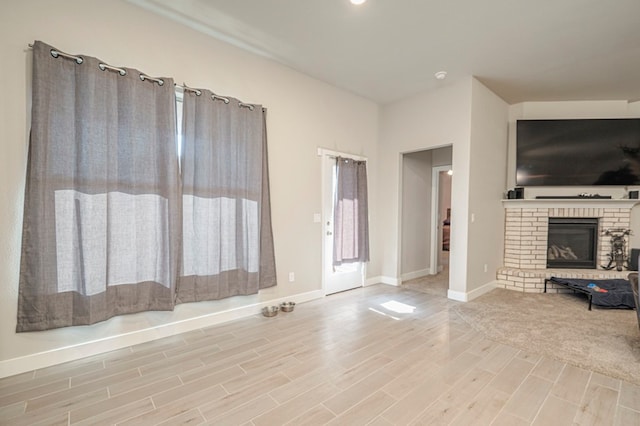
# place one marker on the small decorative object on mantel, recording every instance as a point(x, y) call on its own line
point(618, 257)
point(587, 195)
point(583, 195)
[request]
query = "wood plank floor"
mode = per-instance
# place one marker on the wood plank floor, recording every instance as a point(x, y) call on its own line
point(380, 355)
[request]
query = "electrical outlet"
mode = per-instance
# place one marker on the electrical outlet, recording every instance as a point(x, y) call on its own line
point(486, 267)
point(292, 277)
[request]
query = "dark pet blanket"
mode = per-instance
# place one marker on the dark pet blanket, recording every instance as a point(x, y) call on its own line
point(618, 295)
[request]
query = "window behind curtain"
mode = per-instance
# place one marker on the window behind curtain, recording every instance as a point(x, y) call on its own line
point(104, 206)
point(227, 237)
point(101, 219)
point(351, 213)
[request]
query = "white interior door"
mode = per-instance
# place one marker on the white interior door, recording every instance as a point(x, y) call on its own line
point(343, 277)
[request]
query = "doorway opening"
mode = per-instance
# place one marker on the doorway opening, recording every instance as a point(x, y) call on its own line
point(426, 219)
point(348, 276)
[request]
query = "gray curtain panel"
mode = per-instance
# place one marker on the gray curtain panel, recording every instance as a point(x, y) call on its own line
point(227, 238)
point(102, 214)
point(351, 223)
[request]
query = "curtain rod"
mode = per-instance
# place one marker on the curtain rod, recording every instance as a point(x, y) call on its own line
point(56, 53)
point(104, 66)
point(345, 159)
point(79, 60)
point(335, 154)
point(122, 71)
point(215, 97)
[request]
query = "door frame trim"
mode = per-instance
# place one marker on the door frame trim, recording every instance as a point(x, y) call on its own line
point(322, 153)
point(435, 210)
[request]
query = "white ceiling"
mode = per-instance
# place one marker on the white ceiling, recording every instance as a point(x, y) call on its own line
point(386, 50)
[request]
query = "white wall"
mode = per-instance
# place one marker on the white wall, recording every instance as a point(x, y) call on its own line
point(441, 156)
point(474, 121)
point(416, 214)
point(430, 120)
point(573, 109)
point(303, 114)
point(486, 187)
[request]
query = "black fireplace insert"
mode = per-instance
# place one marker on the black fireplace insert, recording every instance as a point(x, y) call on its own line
point(572, 243)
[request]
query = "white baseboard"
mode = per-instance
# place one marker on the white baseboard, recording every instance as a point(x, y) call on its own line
point(416, 274)
point(39, 360)
point(466, 297)
point(372, 281)
point(380, 279)
point(390, 281)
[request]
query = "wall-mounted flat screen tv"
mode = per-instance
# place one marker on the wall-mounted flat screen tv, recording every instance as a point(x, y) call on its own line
point(578, 152)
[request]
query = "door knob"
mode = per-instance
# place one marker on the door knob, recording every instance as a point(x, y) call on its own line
point(329, 233)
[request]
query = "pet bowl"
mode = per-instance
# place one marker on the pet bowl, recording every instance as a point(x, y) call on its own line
point(287, 306)
point(270, 311)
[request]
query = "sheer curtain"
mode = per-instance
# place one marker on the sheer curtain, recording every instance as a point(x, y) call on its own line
point(101, 219)
point(227, 237)
point(351, 223)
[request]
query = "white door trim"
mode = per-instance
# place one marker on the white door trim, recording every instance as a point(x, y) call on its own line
point(325, 154)
point(330, 153)
point(435, 219)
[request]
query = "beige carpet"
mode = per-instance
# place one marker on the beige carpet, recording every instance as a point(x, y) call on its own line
point(560, 326)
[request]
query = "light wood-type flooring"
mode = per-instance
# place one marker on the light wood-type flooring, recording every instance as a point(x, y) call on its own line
point(380, 355)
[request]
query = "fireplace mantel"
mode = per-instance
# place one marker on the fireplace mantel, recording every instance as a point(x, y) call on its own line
point(568, 203)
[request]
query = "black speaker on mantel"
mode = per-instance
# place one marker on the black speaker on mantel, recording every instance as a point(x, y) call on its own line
point(515, 194)
point(519, 193)
point(633, 195)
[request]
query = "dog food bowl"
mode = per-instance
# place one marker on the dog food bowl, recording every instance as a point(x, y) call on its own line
point(270, 311)
point(287, 306)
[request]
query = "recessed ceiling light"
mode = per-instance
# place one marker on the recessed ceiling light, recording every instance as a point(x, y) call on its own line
point(357, 1)
point(441, 75)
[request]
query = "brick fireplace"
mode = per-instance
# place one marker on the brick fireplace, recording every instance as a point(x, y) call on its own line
point(526, 233)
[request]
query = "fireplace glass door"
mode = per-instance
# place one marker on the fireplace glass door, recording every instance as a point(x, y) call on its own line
point(572, 243)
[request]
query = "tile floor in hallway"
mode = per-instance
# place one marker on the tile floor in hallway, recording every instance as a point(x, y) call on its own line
point(380, 355)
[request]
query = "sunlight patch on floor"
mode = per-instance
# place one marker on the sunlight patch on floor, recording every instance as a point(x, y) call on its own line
point(399, 307)
point(382, 313)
